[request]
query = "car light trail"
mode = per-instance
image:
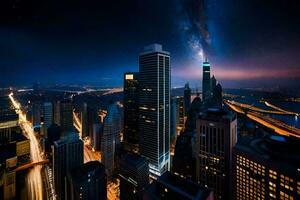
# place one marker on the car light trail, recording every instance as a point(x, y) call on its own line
point(34, 177)
point(278, 126)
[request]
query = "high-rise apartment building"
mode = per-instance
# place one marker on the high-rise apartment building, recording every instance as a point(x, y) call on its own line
point(154, 108)
point(215, 138)
point(131, 111)
point(67, 155)
point(266, 168)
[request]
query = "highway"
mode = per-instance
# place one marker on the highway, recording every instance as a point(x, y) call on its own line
point(267, 121)
point(277, 111)
point(34, 177)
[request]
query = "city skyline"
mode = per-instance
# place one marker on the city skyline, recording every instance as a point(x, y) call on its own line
point(76, 44)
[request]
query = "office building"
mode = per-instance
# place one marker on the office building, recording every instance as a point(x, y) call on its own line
point(134, 176)
point(56, 113)
point(215, 137)
point(97, 135)
point(170, 186)
point(88, 181)
point(180, 114)
point(154, 108)
point(9, 128)
point(131, 111)
point(84, 120)
point(266, 168)
point(67, 155)
point(213, 82)
point(66, 116)
point(47, 116)
point(187, 99)
point(36, 114)
point(206, 83)
point(111, 129)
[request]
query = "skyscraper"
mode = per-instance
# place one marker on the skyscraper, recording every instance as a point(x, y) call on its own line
point(111, 129)
point(48, 116)
point(187, 98)
point(134, 176)
point(266, 168)
point(215, 137)
point(84, 121)
point(154, 108)
point(206, 83)
point(88, 181)
point(131, 111)
point(67, 155)
point(66, 116)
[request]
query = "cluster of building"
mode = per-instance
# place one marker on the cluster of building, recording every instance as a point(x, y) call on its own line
point(181, 147)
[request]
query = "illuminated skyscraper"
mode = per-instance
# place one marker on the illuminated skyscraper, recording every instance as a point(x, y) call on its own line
point(131, 111)
point(154, 108)
point(266, 168)
point(206, 83)
point(215, 137)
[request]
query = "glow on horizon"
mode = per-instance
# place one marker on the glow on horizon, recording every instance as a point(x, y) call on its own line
point(195, 73)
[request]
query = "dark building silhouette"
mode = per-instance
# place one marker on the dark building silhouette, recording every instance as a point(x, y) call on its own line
point(184, 161)
point(266, 167)
point(131, 111)
point(187, 98)
point(215, 137)
point(196, 107)
point(134, 176)
point(170, 186)
point(88, 181)
point(154, 108)
point(67, 155)
point(66, 116)
point(217, 99)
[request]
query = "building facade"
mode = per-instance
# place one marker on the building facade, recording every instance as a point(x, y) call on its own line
point(266, 168)
point(206, 83)
point(67, 155)
point(154, 108)
point(215, 138)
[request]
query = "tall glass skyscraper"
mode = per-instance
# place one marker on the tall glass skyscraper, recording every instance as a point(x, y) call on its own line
point(206, 84)
point(154, 108)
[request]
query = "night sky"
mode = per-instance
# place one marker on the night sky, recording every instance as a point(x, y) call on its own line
point(250, 43)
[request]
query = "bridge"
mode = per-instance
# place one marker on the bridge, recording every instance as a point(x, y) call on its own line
point(267, 121)
point(31, 164)
point(277, 111)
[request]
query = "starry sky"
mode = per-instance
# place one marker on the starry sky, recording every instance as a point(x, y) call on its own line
point(250, 43)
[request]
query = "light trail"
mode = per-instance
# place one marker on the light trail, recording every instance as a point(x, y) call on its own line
point(251, 107)
point(269, 122)
point(34, 177)
point(77, 124)
point(280, 109)
point(112, 91)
